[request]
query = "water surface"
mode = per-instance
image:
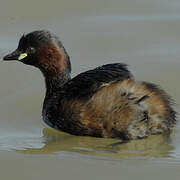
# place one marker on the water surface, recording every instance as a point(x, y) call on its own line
point(144, 34)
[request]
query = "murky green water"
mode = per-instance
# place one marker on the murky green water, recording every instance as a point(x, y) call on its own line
point(144, 34)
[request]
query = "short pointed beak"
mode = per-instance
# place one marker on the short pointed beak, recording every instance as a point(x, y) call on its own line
point(12, 56)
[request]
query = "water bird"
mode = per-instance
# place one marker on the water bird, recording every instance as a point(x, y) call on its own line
point(102, 102)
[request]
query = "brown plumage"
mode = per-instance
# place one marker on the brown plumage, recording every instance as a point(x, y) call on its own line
point(125, 109)
point(58, 61)
point(102, 102)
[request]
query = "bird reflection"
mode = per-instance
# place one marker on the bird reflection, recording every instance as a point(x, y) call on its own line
point(55, 141)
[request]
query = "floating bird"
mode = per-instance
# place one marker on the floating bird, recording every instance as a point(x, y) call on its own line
point(102, 102)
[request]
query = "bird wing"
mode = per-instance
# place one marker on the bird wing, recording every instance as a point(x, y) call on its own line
point(89, 82)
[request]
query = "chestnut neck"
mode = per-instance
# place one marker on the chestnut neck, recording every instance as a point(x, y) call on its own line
point(55, 65)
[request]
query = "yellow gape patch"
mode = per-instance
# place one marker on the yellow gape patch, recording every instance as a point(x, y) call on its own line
point(22, 56)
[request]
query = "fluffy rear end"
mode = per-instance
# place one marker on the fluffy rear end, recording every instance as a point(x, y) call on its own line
point(162, 116)
point(159, 115)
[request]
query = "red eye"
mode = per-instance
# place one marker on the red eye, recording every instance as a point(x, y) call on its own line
point(30, 50)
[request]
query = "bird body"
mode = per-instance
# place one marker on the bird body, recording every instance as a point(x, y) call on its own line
point(102, 102)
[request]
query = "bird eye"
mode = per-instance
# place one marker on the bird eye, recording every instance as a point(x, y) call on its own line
point(30, 50)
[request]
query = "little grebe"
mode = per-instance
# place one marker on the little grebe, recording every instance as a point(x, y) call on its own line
point(102, 102)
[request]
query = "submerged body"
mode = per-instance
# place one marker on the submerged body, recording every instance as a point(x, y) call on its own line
point(103, 102)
